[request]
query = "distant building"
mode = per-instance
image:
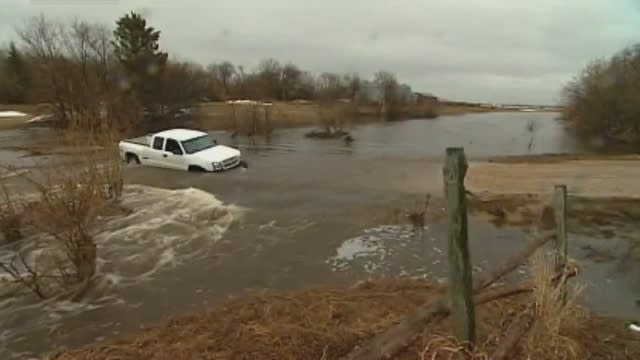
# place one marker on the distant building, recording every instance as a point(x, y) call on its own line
point(372, 93)
point(426, 98)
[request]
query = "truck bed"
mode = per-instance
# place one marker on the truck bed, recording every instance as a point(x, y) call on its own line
point(140, 140)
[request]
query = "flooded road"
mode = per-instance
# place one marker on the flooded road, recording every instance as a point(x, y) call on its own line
point(305, 213)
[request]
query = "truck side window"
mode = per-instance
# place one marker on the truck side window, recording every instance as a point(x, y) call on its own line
point(158, 142)
point(173, 147)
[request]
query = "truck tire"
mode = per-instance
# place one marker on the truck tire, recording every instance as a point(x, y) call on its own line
point(132, 159)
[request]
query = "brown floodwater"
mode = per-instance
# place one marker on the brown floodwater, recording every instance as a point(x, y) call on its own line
point(305, 213)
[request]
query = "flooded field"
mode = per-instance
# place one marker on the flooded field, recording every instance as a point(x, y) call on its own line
point(306, 212)
point(482, 135)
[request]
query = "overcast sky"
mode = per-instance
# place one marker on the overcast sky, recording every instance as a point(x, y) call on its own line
point(478, 50)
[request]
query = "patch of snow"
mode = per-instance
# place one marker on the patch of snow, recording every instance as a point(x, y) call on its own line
point(40, 118)
point(11, 113)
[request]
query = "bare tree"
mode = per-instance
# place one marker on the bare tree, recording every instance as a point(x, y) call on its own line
point(290, 81)
point(11, 215)
point(354, 84)
point(600, 101)
point(390, 93)
point(330, 86)
point(77, 72)
point(24, 274)
point(270, 75)
point(223, 73)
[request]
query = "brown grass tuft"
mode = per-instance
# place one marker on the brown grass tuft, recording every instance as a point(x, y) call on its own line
point(445, 347)
point(556, 317)
point(11, 215)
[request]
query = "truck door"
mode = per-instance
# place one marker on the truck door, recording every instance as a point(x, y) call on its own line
point(173, 155)
point(154, 155)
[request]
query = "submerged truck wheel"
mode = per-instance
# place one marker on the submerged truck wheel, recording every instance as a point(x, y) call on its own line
point(196, 168)
point(132, 159)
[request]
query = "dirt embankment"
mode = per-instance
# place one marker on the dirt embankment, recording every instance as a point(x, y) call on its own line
point(603, 192)
point(590, 177)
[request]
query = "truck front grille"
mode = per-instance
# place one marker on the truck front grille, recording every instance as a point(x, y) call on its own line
point(231, 162)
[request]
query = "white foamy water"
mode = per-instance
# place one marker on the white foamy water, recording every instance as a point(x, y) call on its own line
point(166, 228)
point(375, 248)
point(161, 230)
point(394, 251)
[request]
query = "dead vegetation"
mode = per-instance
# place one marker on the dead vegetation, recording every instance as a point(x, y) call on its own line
point(556, 315)
point(11, 215)
point(600, 101)
point(56, 207)
point(586, 215)
point(327, 323)
point(334, 121)
point(252, 119)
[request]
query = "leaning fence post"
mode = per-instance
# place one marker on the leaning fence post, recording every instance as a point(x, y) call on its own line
point(460, 276)
point(560, 214)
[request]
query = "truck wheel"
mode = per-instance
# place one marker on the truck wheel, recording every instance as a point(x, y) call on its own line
point(133, 159)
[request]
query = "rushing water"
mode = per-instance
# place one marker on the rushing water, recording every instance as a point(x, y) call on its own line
point(164, 230)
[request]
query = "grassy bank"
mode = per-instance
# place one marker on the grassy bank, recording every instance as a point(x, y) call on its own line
point(559, 158)
point(327, 323)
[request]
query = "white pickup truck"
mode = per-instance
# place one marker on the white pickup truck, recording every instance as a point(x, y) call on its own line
point(180, 149)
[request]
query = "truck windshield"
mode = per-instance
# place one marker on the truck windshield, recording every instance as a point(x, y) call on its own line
point(194, 145)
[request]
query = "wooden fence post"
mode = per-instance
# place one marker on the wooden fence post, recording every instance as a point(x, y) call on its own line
point(460, 274)
point(560, 244)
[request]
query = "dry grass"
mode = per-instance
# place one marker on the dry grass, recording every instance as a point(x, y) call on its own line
point(328, 323)
point(220, 116)
point(63, 201)
point(280, 115)
point(443, 347)
point(11, 215)
point(556, 314)
point(72, 195)
point(560, 158)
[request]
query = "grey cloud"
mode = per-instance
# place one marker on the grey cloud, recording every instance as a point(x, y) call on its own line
point(492, 50)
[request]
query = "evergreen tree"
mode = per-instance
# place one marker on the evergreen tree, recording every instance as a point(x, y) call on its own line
point(16, 76)
point(136, 46)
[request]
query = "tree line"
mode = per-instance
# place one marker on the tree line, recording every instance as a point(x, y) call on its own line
point(88, 71)
point(602, 101)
